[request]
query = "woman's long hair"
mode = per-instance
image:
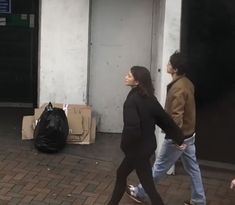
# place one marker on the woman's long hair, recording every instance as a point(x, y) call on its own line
point(142, 75)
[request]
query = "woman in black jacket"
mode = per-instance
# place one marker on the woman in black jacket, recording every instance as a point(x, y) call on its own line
point(141, 112)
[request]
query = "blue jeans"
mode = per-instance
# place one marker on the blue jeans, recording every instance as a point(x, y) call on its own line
point(169, 154)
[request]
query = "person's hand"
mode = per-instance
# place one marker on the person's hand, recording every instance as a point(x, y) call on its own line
point(232, 185)
point(181, 147)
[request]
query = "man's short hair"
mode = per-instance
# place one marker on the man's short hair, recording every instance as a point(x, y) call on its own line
point(178, 62)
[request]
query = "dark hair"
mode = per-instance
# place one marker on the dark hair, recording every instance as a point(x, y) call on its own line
point(142, 75)
point(178, 62)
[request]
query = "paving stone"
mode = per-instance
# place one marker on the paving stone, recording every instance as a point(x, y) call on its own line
point(33, 178)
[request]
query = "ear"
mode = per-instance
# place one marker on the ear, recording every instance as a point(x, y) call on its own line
point(136, 82)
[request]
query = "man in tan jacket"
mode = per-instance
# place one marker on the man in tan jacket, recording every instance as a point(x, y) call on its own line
point(180, 105)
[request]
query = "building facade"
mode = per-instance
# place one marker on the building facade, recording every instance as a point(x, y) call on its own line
point(78, 52)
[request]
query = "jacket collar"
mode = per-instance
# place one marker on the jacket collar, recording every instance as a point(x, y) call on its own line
point(174, 81)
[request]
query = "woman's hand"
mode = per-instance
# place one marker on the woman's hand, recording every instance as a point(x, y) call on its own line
point(232, 185)
point(181, 147)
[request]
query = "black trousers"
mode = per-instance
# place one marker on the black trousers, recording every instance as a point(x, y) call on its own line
point(144, 173)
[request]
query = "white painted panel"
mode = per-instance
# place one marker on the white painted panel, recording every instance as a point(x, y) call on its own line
point(121, 33)
point(63, 51)
point(171, 39)
point(171, 42)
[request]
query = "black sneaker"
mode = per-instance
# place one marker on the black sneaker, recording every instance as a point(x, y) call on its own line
point(188, 202)
point(132, 195)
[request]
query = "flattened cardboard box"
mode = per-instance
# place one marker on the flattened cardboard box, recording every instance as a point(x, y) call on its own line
point(84, 138)
point(87, 138)
point(81, 125)
point(27, 127)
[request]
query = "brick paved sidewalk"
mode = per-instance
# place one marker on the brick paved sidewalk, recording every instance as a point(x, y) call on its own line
point(84, 175)
point(29, 177)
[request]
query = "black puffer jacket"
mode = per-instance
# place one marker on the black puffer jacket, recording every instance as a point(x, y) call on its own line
point(140, 114)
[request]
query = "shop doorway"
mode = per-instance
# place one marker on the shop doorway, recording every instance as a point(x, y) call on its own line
point(18, 53)
point(208, 38)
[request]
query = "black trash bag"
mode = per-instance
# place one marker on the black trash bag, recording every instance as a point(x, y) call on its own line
point(51, 131)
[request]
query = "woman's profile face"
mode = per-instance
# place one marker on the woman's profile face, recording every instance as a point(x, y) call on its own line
point(130, 80)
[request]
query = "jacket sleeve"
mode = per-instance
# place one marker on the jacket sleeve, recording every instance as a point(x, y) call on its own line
point(132, 129)
point(176, 109)
point(167, 124)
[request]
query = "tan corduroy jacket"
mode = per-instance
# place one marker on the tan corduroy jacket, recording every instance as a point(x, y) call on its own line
point(180, 104)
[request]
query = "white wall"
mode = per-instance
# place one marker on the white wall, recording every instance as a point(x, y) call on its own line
point(171, 42)
point(121, 36)
point(157, 44)
point(63, 56)
point(63, 44)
